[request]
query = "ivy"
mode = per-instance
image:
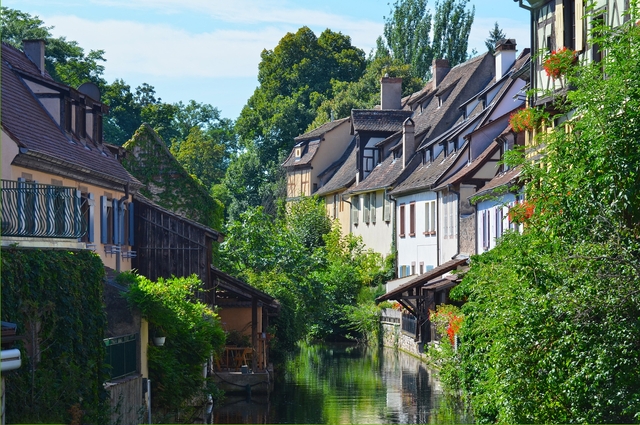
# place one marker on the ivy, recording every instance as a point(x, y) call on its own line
point(59, 293)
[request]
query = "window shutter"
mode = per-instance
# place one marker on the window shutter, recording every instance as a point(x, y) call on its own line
point(412, 219)
point(131, 223)
point(401, 221)
point(373, 207)
point(367, 207)
point(104, 238)
point(386, 208)
point(355, 201)
point(116, 219)
point(433, 216)
point(90, 223)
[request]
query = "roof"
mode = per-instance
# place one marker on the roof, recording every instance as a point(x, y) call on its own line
point(475, 165)
point(462, 82)
point(384, 175)
point(318, 132)
point(426, 175)
point(506, 178)
point(345, 173)
point(41, 139)
point(238, 288)
point(422, 279)
point(305, 160)
point(378, 119)
point(212, 232)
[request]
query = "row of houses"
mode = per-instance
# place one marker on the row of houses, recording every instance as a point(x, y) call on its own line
point(423, 176)
point(64, 187)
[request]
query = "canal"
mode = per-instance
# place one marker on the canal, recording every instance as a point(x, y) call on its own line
point(345, 384)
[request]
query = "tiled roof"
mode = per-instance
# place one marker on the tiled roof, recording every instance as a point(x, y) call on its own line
point(31, 126)
point(383, 175)
point(318, 132)
point(20, 62)
point(345, 173)
point(508, 177)
point(378, 119)
point(461, 82)
point(473, 166)
point(426, 175)
point(305, 160)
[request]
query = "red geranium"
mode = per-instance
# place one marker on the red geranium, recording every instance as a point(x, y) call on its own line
point(559, 62)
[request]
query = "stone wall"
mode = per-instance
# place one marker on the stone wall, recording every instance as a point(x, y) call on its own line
point(127, 401)
point(393, 337)
point(468, 234)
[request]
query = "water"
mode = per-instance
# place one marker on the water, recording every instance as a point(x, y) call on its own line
point(346, 384)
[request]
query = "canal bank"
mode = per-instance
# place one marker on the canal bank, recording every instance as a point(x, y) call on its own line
point(394, 336)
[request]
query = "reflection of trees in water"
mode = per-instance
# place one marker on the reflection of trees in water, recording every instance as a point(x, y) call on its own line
point(342, 384)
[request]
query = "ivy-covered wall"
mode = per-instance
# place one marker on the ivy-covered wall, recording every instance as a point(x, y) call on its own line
point(167, 183)
point(55, 298)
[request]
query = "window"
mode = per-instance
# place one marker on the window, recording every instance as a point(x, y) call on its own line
point(315, 187)
point(412, 219)
point(430, 218)
point(87, 210)
point(335, 205)
point(596, 52)
point(355, 210)
point(367, 208)
point(373, 206)
point(107, 218)
point(485, 230)
point(498, 221)
point(298, 152)
point(401, 213)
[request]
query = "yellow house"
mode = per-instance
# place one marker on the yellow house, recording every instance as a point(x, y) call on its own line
point(64, 188)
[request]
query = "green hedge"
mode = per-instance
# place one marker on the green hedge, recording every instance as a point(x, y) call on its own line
point(63, 291)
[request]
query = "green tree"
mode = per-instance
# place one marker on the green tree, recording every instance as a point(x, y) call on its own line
point(407, 33)
point(551, 330)
point(65, 60)
point(292, 77)
point(495, 35)
point(451, 26)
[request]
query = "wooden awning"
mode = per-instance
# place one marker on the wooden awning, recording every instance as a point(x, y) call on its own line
point(424, 279)
point(240, 290)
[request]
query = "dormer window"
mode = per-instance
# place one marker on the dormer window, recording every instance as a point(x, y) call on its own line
point(298, 152)
point(440, 100)
point(426, 156)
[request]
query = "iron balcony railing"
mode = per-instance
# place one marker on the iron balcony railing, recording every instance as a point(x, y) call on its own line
point(122, 355)
point(40, 210)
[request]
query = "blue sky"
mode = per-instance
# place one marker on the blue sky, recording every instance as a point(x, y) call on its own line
point(209, 50)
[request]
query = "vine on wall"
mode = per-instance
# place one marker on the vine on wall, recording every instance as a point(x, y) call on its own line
point(55, 298)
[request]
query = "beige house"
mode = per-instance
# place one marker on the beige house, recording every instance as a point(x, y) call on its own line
point(313, 153)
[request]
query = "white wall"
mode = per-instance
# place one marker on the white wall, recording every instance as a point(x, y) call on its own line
point(448, 224)
point(376, 236)
point(488, 216)
point(9, 152)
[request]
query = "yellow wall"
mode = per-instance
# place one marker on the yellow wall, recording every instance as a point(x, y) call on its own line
point(342, 213)
point(239, 319)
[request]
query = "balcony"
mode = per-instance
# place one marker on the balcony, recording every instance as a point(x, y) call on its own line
point(33, 210)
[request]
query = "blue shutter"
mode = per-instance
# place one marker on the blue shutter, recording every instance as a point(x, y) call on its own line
point(90, 223)
point(116, 219)
point(121, 219)
point(104, 238)
point(131, 222)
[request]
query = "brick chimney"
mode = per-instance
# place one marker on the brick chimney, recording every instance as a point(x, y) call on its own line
point(439, 69)
point(408, 141)
point(505, 56)
point(390, 93)
point(34, 49)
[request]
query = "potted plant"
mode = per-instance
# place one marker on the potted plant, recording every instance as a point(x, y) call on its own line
point(524, 120)
point(559, 62)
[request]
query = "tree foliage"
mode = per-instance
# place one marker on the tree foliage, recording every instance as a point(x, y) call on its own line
point(65, 61)
point(305, 263)
point(408, 32)
point(496, 34)
point(551, 330)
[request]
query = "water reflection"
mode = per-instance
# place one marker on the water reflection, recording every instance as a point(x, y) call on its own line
point(344, 384)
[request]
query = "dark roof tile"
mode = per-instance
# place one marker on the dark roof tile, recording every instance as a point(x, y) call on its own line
point(378, 119)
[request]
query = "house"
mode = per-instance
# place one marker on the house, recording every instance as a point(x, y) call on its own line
point(63, 188)
point(313, 153)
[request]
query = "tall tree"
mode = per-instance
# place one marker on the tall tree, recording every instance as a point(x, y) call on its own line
point(407, 33)
point(451, 28)
point(292, 77)
point(495, 35)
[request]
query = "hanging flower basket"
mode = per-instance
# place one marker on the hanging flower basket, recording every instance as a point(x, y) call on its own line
point(524, 120)
point(559, 62)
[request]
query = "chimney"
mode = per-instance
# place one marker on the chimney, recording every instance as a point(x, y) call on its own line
point(505, 54)
point(390, 93)
point(34, 49)
point(408, 141)
point(439, 69)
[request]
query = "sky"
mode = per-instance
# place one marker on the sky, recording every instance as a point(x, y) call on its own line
point(209, 50)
